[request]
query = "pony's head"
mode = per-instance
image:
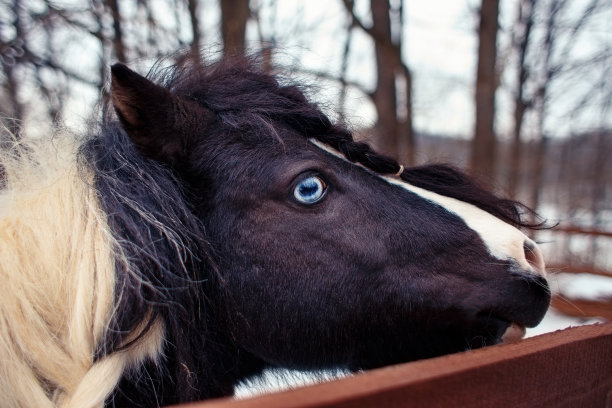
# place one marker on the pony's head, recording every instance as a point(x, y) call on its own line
point(248, 230)
point(328, 255)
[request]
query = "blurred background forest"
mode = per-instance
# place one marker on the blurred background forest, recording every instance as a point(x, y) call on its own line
point(517, 92)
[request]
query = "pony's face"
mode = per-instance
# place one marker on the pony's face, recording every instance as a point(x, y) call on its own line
point(329, 264)
point(326, 263)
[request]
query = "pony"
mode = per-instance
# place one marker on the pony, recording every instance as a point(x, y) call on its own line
point(216, 223)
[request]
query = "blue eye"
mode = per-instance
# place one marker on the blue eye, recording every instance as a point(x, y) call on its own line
point(310, 190)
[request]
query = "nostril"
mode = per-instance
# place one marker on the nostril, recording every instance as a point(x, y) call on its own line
point(534, 256)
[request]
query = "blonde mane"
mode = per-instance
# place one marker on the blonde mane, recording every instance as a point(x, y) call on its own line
point(57, 274)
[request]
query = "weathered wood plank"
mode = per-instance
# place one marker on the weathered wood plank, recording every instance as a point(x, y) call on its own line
point(578, 269)
point(572, 230)
point(568, 368)
point(583, 307)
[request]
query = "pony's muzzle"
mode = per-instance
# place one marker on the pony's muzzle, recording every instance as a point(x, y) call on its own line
point(527, 293)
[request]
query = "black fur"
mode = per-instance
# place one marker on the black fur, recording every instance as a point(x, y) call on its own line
point(371, 275)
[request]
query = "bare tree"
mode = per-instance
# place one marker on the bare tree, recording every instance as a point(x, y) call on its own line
point(196, 44)
point(12, 50)
point(118, 45)
point(29, 62)
point(267, 42)
point(541, 61)
point(540, 103)
point(385, 98)
point(484, 144)
point(234, 16)
point(345, 60)
point(521, 39)
point(393, 94)
point(37, 55)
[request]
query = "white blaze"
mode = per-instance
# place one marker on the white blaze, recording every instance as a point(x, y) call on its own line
point(503, 240)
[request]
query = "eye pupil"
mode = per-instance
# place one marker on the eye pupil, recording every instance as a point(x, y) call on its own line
point(310, 190)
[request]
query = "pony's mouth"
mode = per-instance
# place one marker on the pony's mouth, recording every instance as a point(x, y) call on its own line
point(513, 333)
point(502, 330)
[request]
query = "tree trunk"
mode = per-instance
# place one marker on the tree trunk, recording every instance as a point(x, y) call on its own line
point(384, 96)
point(484, 144)
point(15, 109)
point(541, 102)
point(598, 192)
point(406, 144)
point(195, 27)
point(537, 171)
point(343, 68)
point(525, 21)
point(234, 16)
point(118, 45)
point(393, 95)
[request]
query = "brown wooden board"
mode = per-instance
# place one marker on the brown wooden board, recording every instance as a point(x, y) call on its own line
point(578, 269)
point(583, 307)
point(572, 229)
point(568, 368)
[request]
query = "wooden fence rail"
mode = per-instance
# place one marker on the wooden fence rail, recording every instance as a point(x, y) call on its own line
point(568, 368)
point(577, 268)
point(583, 308)
point(575, 230)
point(576, 307)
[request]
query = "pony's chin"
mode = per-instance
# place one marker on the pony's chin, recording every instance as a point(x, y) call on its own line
point(513, 333)
point(500, 331)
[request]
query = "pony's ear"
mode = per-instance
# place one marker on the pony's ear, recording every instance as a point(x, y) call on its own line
point(161, 125)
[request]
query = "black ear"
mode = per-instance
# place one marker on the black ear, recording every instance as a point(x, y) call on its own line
point(162, 125)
